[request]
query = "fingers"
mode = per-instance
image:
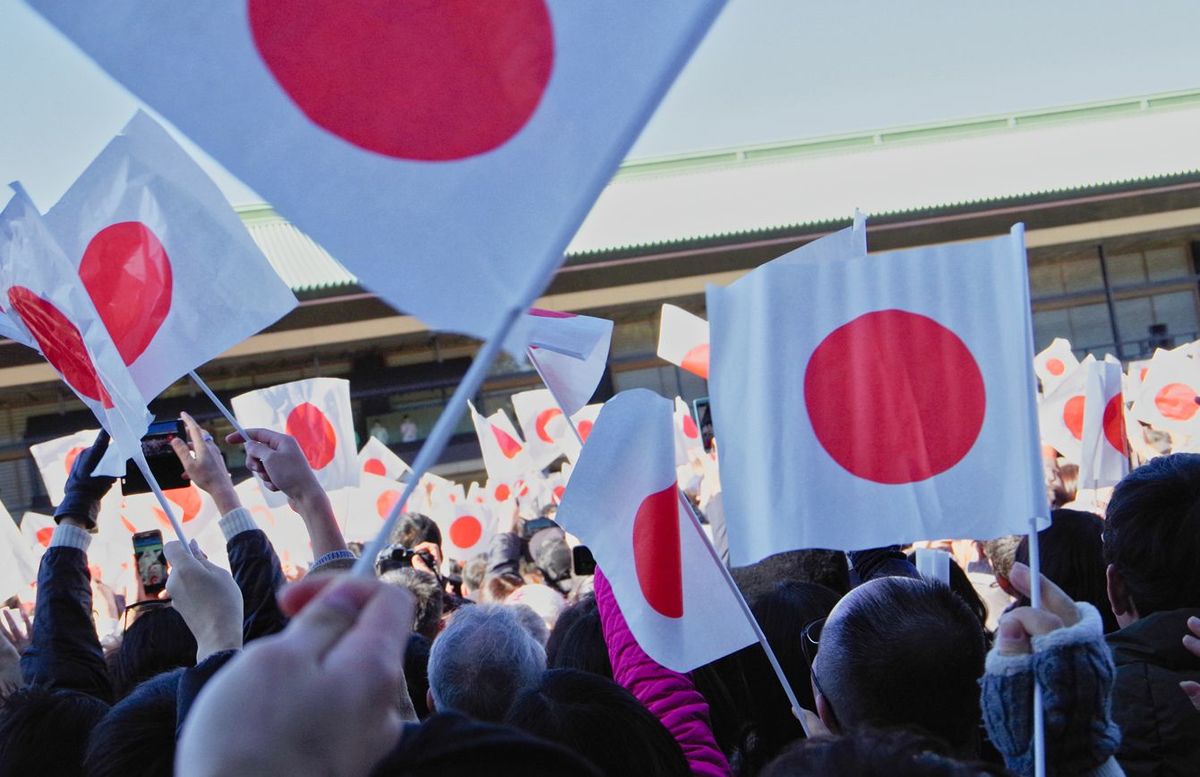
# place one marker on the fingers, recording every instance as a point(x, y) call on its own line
point(381, 631)
point(294, 597)
point(325, 620)
point(1193, 692)
point(1054, 599)
point(1190, 641)
point(1019, 626)
point(183, 453)
point(177, 556)
point(198, 437)
point(264, 436)
point(10, 630)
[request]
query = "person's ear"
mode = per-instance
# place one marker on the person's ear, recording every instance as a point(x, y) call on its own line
point(1006, 586)
point(429, 701)
point(825, 713)
point(1118, 596)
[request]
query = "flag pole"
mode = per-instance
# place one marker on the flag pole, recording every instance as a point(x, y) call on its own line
point(435, 443)
point(1035, 599)
point(139, 459)
point(570, 422)
point(797, 710)
point(219, 404)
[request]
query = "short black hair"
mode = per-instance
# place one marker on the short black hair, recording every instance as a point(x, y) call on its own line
point(904, 653)
point(415, 528)
point(823, 567)
point(1152, 533)
point(416, 672)
point(1072, 555)
point(875, 754)
point(427, 594)
point(577, 641)
point(137, 736)
point(158, 641)
point(44, 731)
point(601, 721)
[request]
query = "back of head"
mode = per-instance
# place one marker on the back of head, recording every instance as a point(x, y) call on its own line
point(1072, 555)
point(473, 573)
point(496, 588)
point(903, 653)
point(1152, 533)
point(158, 641)
point(137, 736)
point(1001, 553)
point(577, 641)
point(45, 732)
point(481, 661)
point(601, 721)
point(542, 599)
point(428, 597)
point(823, 567)
point(415, 528)
point(416, 672)
point(874, 754)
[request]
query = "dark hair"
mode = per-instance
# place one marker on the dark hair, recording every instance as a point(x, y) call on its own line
point(496, 588)
point(45, 732)
point(416, 672)
point(962, 585)
point(1152, 533)
point(1072, 555)
point(601, 721)
point(904, 653)
point(823, 567)
point(474, 571)
point(427, 594)
point(1064, 488)
point(415, 528)
point(158, 641)
point(577, 641)
point(874, 754)
point(137, 736)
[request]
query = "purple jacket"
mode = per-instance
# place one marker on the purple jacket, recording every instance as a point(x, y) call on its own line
point(671, 696)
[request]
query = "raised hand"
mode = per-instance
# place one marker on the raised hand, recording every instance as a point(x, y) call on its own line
point(204, 466)
point(208, 599)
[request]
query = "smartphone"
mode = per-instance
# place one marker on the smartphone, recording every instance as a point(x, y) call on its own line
point(164, 464)
point(151, 563)
point(582, 561)
point(702, 411)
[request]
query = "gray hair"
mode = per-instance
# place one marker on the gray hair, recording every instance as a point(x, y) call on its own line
point(481, 661)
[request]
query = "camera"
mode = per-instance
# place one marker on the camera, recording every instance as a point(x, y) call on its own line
point(399, 557)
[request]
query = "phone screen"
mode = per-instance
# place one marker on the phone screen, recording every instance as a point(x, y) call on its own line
point(703, 413)
point(164, 464)
point(151, 563)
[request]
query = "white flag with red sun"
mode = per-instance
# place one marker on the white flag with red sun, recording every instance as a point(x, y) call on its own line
point(1060, 413)
point(504, 454)
point(54, 459)
point(375, 458)
point(1167, 398)
point(868, 400)
point(1054, 363)
point(484, 131)
point(542, 422)
point(683, 340)
point(1104, 457)
point(317, 413)
point(623, 503)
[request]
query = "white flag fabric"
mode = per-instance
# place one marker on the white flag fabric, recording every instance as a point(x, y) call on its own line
point(54, 459)
point(683, 340)
point(467, 529)
point(482, 131)
point(893, 393)
point(370, 503)
point(543, 425)
point(317, 413)
point(1104, 452)
point(375, 458)
point(283, 526)
point(623, 503)
point(194, 508)
point(1060, 413)
point(1167, 399)
point(1054, 363)
point(169, 265)
point(18, 564)
point(584, 421)
point(504, 454)
point(570, 353)
point(37, 529)
point(688, 443)
point(42, 294)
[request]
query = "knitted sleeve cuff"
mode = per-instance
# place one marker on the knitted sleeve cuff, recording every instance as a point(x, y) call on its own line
point(1008, 666)
point(1089, 628)
point(68, 536)
point(334, 559)
point(235, 522)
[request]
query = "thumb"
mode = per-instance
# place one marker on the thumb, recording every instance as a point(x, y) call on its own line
point(177, 555)
point(328, 617)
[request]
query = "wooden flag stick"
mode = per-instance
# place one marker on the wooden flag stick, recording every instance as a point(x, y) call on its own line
point(1035, 600)
point(435, 443)
point(219, 404)
point(139, 459)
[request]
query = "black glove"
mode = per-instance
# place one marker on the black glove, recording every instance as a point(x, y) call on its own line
point(83, 492)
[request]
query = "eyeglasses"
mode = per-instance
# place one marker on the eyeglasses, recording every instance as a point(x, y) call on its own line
point(810, 640)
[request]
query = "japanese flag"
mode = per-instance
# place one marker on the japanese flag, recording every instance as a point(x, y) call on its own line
point(584, 421)
point(375, 458)
point(1104, 453)
point(504, 454)
point(54, 459)
point(622, 502)
point(1060, 413)
point(1167, 399)
point(683, 340)
point(543, 424)
point(1054, 363)
point(37, 529)
point(317, 413)
point(688, 443)
point(42, 294)
point(421, 143)
point(170, 267)
point(283, 526)
point(195, 509)
point(467, 529)
point(569, 353)
point(869, 400)
point(370, 503)
point(1135, 376)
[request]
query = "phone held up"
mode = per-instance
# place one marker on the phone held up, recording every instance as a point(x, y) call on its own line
point(151, 563)
point(164, 464)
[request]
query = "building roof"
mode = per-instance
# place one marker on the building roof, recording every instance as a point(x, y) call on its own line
point(718, 194)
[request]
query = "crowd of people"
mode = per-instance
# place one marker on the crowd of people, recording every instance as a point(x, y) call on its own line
point(516, 663)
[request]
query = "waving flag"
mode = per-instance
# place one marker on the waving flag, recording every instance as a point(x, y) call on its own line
point(169, 266)
point(1167, 399)
point(467, 529)
point(37, 529)
point(317, 413)
point(584, 421)
point(688, 442)
point(54, 459)
point(543, 424)
point(375, 458)
point(570, 353)
point(195, 508)
point(1054, 364)
point(504, 453)
point(1104, 458)
point(18, 564)
point(484, 131)
point(370, 503)
point(1060, 413)
point(893, 392)
point(683, 340)
point(622, 502)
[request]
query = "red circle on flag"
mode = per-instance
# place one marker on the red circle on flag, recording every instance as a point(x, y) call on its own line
point(1073, 416)
point(128, 276)
point(585, 429)
point(695, 361)
point(502, 492)
point(689, 427)
point(386, 501)
point(894, 397)
point(543, 419)
point(60, 341)
point(72, 454)
point(558, 493)
point(657, 555)
point(312, 430)
point(1114, 423)
point(188, 500)
point(1055, 367)
point(374, 467)
point(43, 536)
point(465, 531)
point(410, 79)
point(1176, 401)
